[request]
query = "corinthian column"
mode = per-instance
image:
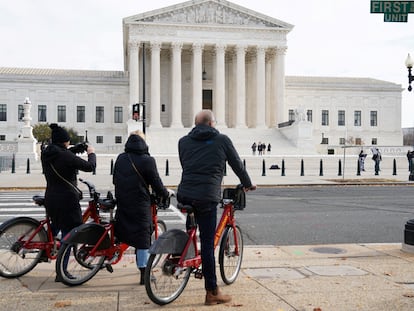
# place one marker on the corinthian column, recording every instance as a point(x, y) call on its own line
point(241, 86)
point(219, 98)
point(176, 85)
point(279, 76)
point(260, 88)
point(133, 69)
point(155, 85)
point(197, 78)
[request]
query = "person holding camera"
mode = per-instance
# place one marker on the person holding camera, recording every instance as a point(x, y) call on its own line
point(134, 172)
point(60, 166)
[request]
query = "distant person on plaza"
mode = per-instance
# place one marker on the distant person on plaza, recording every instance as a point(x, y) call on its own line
point(259, 148)
point(361, 159)
point(60, 167)
point(376, 156)
point(203, 154)
point(263, 148)
point(410, 156)
point(254, 147)
point(134, 171)
point(269, 148)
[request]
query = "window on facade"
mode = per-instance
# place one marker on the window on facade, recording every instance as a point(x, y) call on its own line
point(81, 138)
point(118, 139)
point(118, 115)
point(80, 114)
point(2, 137)
point(3, 112)
point(341, 117)
point(291, 115)
point(357, 117)
point(309, 115)
point(61, 113)
point(20, 113)
point(374, 141)
point(342, 141)
point(99, 114)
point(358, 141)
point(325, 117)
point(99, 139)
point(374, 118)
point(41, 113)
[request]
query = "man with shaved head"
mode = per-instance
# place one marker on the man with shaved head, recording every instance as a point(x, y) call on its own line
point(203, 155)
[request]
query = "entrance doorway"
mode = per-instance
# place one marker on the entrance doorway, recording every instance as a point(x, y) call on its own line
point(208, 99)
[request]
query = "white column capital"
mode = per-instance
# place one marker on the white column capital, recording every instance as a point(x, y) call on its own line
point(241, 48)
point(197, 47)
point(133, 45)
point(281, 50)
point(220, 47)
point(155, 46)
point(176, 46)
point(261, 49)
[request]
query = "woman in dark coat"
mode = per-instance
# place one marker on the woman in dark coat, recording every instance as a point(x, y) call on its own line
point(134, 171)
point(61, 199)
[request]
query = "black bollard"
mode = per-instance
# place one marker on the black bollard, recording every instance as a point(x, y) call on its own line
point(167, 168)
point(358, 169)
point(394, 168)
point(13, 164)
point(339, 168)
point(302, 169)
point(263, 168)
point(111, 171)
point(28, 166)
point(283, 167)
point(320, 168)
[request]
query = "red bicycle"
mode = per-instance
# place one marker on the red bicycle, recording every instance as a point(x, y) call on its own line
point(25, 241)
point(175, 255)
point(90, 247)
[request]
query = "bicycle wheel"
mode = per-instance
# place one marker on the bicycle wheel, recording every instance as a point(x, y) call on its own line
point(75, 266)
point(229, 261)
point(15, 260)
point(165, 280)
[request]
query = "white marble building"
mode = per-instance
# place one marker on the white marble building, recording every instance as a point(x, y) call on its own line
point(206, 54)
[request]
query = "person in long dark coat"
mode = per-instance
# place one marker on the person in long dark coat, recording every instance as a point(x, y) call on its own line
point(133, 213)
point(61, 199)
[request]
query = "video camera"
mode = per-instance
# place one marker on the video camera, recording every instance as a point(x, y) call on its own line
point(79, 148)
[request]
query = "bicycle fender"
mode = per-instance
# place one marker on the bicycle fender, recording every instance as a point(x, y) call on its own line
point(172, 241)
point(88, 233)
point(18, 219)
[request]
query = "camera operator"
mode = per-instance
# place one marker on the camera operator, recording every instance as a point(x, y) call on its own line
point(60, 166)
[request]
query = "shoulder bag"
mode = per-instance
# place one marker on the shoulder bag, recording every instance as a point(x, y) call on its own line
point(72, 186)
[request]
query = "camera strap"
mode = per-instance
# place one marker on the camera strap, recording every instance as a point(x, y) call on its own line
point(138, 173)
point(77, 190)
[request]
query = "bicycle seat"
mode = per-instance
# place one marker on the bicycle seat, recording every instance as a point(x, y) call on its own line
point(185, 208)
point(39, 200)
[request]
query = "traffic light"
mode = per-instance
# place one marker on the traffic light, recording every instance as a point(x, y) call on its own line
point(135, 112)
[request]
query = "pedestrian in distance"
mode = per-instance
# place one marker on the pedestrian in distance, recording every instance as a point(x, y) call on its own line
point(269, 148)
point(134, 171)
point(410, 156)
point(377, 158)
point(60, 166)
point(361, 159)
point(254, 147)
point(203, 154)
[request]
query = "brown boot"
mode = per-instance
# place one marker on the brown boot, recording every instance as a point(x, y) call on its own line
point(214, 297)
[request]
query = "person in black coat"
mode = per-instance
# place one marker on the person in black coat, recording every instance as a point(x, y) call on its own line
point(60, 167)
point(134, 171)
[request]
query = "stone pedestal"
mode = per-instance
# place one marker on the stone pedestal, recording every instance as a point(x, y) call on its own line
point(26, 143)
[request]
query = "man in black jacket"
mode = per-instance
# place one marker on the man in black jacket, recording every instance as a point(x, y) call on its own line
point(203, 154)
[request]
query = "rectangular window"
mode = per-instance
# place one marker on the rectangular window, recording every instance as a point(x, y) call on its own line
point(80, 114)
point(358, 141)
point(41, 113)
point(342, 141)
point(291, 115)
point(99, 114)
point(3, 112)
point(357, 117)
point(81, 138)
point(20, 113)
point(61, 111)
point(374, 118)
point(118, 115)
point(309, 115)
point(341, 117)
point(325, 117)
point(2, 137)
point(118, 139)
point(99, 139)
point(374, 141)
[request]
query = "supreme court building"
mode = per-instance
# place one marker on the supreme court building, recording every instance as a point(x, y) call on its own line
point(205, 54)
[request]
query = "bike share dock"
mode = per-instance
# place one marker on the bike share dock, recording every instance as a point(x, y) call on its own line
point(340, 277)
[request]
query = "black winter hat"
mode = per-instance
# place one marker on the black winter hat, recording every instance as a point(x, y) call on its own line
point(59, 134)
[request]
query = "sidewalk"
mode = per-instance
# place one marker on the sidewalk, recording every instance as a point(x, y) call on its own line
point(341, 277)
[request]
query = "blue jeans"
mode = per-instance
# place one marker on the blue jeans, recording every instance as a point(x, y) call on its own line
point(206, 217)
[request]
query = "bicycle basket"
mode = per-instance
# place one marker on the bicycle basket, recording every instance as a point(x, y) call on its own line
point(237, 195)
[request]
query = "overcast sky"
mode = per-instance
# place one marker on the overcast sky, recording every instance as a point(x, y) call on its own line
point(330, 38)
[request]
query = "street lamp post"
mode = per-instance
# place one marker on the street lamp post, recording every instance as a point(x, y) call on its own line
point(409, 64)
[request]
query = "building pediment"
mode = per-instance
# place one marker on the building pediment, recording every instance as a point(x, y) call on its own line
point(208, 12)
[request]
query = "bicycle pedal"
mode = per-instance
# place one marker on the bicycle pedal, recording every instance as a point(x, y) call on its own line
point(198, 274)
point(109, 268)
